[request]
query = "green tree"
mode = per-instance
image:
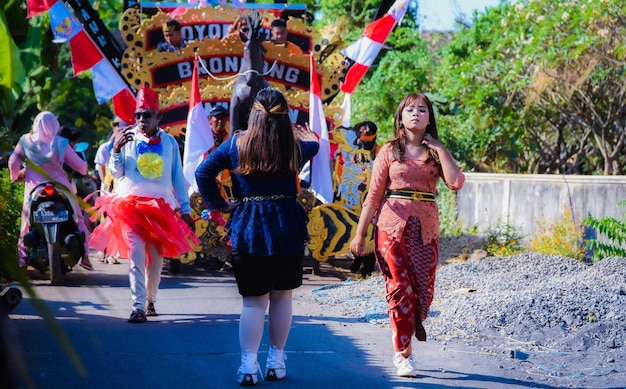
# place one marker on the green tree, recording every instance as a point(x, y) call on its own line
point(359, 13)
point(540, 88)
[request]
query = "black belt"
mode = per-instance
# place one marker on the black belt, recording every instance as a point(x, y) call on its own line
point(410, 195)
point(270, 197)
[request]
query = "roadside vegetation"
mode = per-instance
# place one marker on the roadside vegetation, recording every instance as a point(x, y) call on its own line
point(615, 232)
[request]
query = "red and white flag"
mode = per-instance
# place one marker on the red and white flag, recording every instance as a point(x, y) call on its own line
point(198, 135)
point(321, 179)
point(364, 51)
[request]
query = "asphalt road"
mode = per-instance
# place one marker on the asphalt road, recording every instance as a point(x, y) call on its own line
point(194, 341)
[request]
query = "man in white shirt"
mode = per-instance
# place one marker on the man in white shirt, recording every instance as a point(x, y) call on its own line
point(148, 216)
point(104, 153)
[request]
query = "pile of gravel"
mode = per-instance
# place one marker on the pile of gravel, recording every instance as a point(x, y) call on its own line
point(542, 300)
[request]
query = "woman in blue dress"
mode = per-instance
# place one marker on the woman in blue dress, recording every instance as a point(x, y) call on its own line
point(267, 226)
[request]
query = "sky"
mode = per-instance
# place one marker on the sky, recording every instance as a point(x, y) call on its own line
point(439, 15)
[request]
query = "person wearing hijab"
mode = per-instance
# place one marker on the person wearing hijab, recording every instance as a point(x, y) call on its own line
point(44, 148)
point(148, 215)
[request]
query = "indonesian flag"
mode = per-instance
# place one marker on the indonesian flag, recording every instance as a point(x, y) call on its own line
point(321, 180)
point(198, 136)
point(364, 51)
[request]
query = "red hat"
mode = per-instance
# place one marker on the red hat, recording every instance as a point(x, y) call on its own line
point(147, 99)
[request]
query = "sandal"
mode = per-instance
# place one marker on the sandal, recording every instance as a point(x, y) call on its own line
point(137, 316)
point(150, 311)
point(86, 265)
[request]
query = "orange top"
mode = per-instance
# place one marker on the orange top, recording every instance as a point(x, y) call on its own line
point(411, 174)
point(292, 47)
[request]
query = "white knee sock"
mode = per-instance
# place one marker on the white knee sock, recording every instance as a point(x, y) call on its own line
point(280, 317)
point(251, 323)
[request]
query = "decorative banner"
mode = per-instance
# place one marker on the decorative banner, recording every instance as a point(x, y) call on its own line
point(100, 36)
point(195, 30)
point(62, 23)
point(176, 73)
point(220, 56)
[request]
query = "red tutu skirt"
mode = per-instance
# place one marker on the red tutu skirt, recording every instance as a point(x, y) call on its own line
point(153, 219)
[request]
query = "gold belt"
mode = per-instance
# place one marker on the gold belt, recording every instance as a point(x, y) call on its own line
point(271, 197)
point(410, 195)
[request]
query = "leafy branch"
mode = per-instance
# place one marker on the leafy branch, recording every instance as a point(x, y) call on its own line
point(615, 231)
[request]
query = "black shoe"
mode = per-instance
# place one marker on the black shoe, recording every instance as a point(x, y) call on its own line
point(137, 316)
point(369, 262)
point(356, 264)
point(212, 263)
point(420, 332)
point(151, 311)
point(174, 265)
point(227, 266)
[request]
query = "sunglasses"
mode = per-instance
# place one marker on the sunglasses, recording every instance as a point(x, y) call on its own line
point(146, 115)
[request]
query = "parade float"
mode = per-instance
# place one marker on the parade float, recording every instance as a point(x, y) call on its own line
point(135, 59)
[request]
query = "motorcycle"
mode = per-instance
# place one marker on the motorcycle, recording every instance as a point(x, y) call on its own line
point(9, 299)
point(53, 242)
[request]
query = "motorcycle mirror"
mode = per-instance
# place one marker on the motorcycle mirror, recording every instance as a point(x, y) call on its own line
point(81, 147)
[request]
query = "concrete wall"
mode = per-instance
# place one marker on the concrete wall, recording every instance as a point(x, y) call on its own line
point(523, 199)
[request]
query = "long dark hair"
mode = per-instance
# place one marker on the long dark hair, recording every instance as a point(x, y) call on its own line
point(269, 145)
point(399, 133)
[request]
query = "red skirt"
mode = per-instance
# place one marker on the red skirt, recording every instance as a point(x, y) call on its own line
point(409, 268)
point(153, 219)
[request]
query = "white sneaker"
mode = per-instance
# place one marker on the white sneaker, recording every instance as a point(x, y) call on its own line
point(247, 373)
point(405, 366)
point(275, 368)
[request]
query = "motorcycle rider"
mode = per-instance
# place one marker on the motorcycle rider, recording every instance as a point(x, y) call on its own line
point(43, 147)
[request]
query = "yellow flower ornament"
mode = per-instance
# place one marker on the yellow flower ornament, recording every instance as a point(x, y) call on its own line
point(150, 165)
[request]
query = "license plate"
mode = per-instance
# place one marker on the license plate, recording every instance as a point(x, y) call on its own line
point(50, 217)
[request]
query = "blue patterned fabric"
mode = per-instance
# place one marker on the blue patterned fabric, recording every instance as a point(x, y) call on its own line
point(261, 227)
point(167, 47)
point(144, 147)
